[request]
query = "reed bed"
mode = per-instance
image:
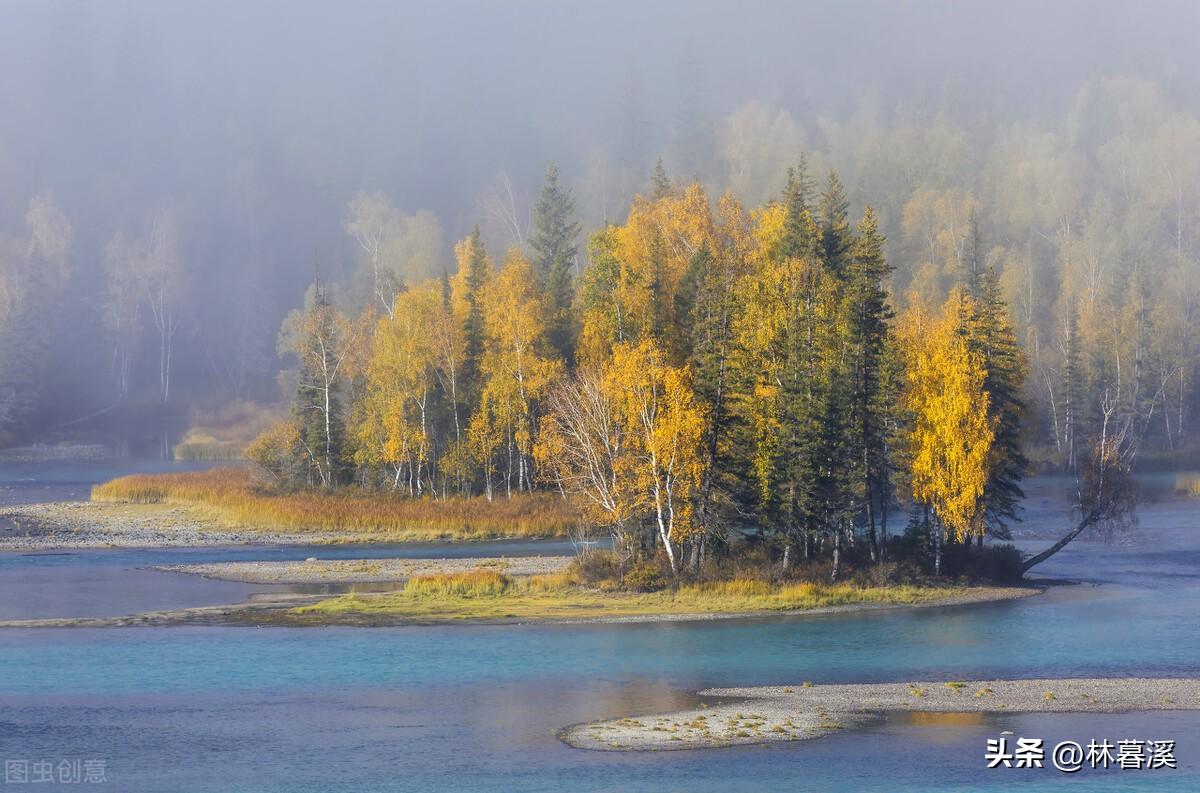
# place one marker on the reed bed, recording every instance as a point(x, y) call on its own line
point(229, 495)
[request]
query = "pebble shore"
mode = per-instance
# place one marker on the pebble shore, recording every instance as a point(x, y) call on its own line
point(804, 711)
point(90, 524)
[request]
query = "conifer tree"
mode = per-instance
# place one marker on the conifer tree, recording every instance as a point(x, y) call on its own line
point(553, 249)
point(796, 198)
point(660, 183)
point(990, 333)
point(833, 216)
point(474, 257)
point(868, 317)
point(993, 336)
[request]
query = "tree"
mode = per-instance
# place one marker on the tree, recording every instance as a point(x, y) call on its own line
point(474, 273)
point(789, 398)
point(148, 270)
point(951, 434)
point(393, 422)
point(660, 183)
point(517, 368)
point(706, 306)
point(628, 440)
point(582, 449)
point(869, 336)
point(323, 340)
point(34, 268)
point(395, 248)
point(654, 401)
point(797, 193)
point(1105, 487)
point(653, 250)
point(991, 334)
point(833, 217)
point(164, 289)
point(120, 304)
point(552, 243)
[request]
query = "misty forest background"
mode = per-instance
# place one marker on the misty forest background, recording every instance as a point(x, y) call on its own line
point(172, 178)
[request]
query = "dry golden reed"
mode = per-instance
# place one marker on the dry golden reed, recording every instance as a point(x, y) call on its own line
point(230, 495)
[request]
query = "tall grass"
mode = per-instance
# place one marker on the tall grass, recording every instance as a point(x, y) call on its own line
point(1188, 485)
point(473, 583)
point(229, 495)
point(485, 594)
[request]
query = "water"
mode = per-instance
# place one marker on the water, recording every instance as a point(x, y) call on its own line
point(476, 708)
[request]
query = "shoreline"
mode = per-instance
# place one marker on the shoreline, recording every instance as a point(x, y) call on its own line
point(775, 714)
point(366, 571)
point(274, 610)
point(82, 525)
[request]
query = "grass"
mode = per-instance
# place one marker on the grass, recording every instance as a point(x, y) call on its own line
point(1188, 485)
point(484, 594)
point(229, 496)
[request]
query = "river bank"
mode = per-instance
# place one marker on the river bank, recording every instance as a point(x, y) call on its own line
point(549, 605)
point(801, 712)
point(367, 571)
point(60, 525)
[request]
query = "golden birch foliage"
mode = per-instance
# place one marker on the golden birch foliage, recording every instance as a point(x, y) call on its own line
point(654, 400)
point(464, 250)
point(392, 426)
point(734, 227)
point(654, 249)
point(516, 367)
point(951, 438)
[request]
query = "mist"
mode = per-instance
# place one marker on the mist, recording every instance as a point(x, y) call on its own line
point(221, 146)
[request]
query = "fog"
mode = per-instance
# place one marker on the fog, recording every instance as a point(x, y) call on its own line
point(229, 138)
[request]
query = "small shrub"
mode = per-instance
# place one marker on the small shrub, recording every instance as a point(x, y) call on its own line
point(645, 576)
point(596, 566)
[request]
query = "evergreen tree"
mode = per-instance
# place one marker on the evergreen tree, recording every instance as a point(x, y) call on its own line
point(868, 317)
point(473, 327)
point(705, 307)
point(797, 193)
point(553, 247)
point(660, 183)
point(812, 428)
point(991, 334)
point(971, 258)
point(834, 219)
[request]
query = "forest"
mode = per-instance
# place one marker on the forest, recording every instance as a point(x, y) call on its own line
point(725, 335)
point(712, 369)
